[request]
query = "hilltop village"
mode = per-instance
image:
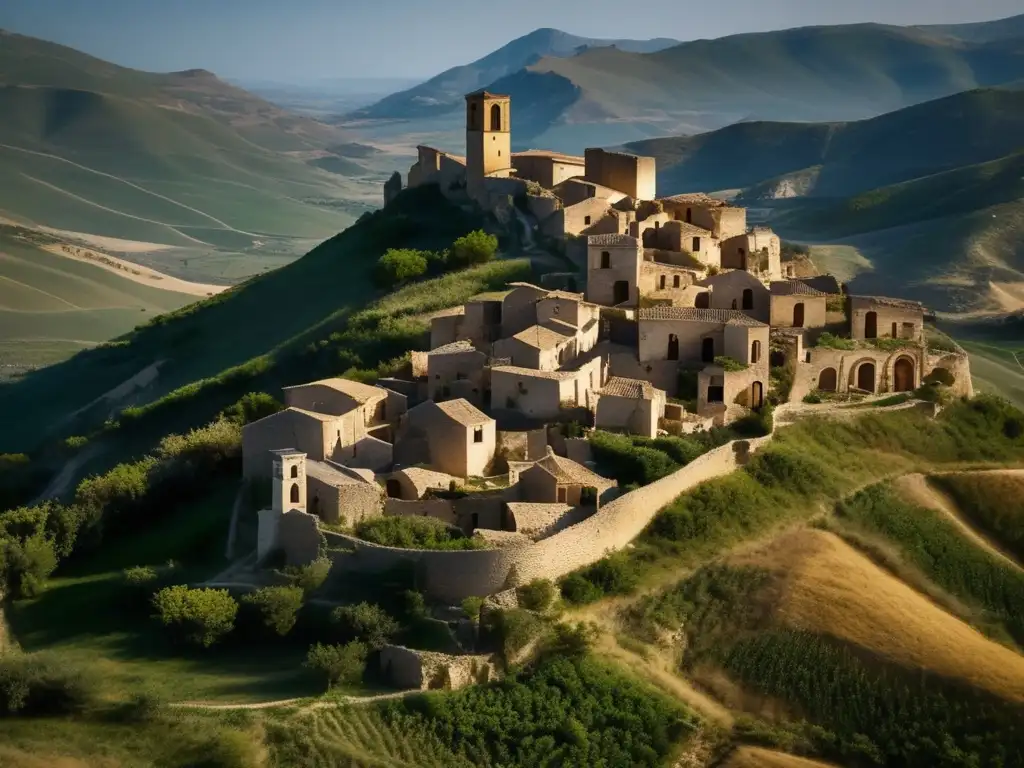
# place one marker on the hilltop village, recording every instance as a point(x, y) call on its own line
point(687, 322)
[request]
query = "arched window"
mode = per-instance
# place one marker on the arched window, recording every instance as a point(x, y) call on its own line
point(295, 470)
point(295, 493)
point(673, 347)
point(675, 281)
point(748, 298)
point(606, 260)
point(495, 117)
point(703, 300)
point(755, 353)
point(798, 315)
point(661, 282)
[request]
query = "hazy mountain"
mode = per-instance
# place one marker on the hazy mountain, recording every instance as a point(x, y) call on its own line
point(839, 159)
point(982, 31)
point(444, 93)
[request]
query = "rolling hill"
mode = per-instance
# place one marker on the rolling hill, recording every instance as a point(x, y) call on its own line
point(233, 183)
point(444, 92)
point(843, 158)
point(566, 99)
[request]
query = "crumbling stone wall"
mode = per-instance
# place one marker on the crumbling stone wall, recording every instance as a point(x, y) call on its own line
point(427, 670)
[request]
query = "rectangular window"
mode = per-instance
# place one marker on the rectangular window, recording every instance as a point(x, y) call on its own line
point(478, 434)
point(696, 244)
point(586, 220)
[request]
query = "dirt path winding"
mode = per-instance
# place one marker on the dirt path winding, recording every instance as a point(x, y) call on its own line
point(917, 489)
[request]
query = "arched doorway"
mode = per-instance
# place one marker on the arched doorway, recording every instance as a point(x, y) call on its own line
point(673, 347)
point(703, 300)
point(394, 489)
point(756, 395)
point(871, 325)
point(798, 315)
point(828, 380)
point(707, 350)
point(295, 493)
point(675, 281)
point(903, 375)
point(866, 377)
point(620, 292)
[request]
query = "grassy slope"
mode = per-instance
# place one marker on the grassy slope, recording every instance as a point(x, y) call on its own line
point(992, 502)
point(812, 73)
point(236, 326)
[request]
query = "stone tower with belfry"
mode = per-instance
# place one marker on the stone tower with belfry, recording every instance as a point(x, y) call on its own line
point(289, 490)
point(488, 137)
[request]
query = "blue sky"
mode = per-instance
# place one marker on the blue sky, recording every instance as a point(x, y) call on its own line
point(298, 40)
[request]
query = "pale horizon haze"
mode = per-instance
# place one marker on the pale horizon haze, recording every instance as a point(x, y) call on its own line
point(306, 40)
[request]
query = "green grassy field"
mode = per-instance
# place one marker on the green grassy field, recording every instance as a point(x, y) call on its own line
point(995, 369)
point(51, 306)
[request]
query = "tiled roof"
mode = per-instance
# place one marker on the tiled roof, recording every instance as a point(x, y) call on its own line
point(454, 347)
point(824, 283)
point(536, 520)
point(723, 316)
point(560, 326)
point(557, 156)
point(691, 229)
point(793, 288)
point(515, 370)
point(636, 389)
point(463, 412)
point(323, 417)
point(568, 471)
point(424, 479)
point(698, 198)
point(361, 393)
point(539, 337)
point(885, 301)
point(613, 240)
point(332, 476)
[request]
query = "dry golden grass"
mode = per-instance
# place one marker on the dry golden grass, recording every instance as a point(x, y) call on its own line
point(754, 757)
point(825, 586)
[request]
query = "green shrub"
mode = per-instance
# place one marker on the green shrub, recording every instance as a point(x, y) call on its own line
point(471, 607)
point(278, 607)
point(140, 576)
point(613, 575)
point(197, 616)
point(572, 640)
point(366, 622)
point(780, 380)
point(252, 407)
point(76, 442)
point(577, 590)
point(474, 248)
point(619, 457)
point(310, 577)
point(44, 684)
point(414, 604)
point(512, 630)
point(730, 364)
point(26, 565)
point(414, 533)
point(538, 595)
point(812, 398)
point(831, 341)
point(941, 376)
point(992, 502)
point(339, 664)
point(400, 265)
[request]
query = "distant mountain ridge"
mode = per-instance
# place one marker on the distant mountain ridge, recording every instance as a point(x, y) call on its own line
point(612, 95)
point(443, 93)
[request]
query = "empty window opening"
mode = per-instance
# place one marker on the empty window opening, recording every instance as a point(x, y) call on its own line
point(606, 260)
point(295, 493)
point(755, 352)
point(748, 298)
point(696, 244)
point(675, 281)
point(495, 117)
point(673, 347)
point(295, 470)
point(478, 434)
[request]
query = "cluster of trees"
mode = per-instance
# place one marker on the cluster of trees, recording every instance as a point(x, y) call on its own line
point(402, 265)
point(567, 710)
point(414, 533)
point(130, 496)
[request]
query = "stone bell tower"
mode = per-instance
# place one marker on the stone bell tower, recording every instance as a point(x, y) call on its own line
point(289, 480)
point(488, 136)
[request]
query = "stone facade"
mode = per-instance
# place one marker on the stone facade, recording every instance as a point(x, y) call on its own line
point(456, 437)
point(630, 405)
point(410, 669)
point(632, 175)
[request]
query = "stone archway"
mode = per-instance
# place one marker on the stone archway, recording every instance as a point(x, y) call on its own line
point(295, 493)
point(904, 375)
point(866, 376)
point(828, 380)
point(394, 488)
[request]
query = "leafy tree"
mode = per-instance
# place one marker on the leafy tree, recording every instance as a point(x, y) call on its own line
point(200, 616)
point(278, 606)
point(339, 664)
point(27, 564)
point(310, 577)
point(368, 622)
point(471, 607)
point(400, 265)
point(475, 248)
